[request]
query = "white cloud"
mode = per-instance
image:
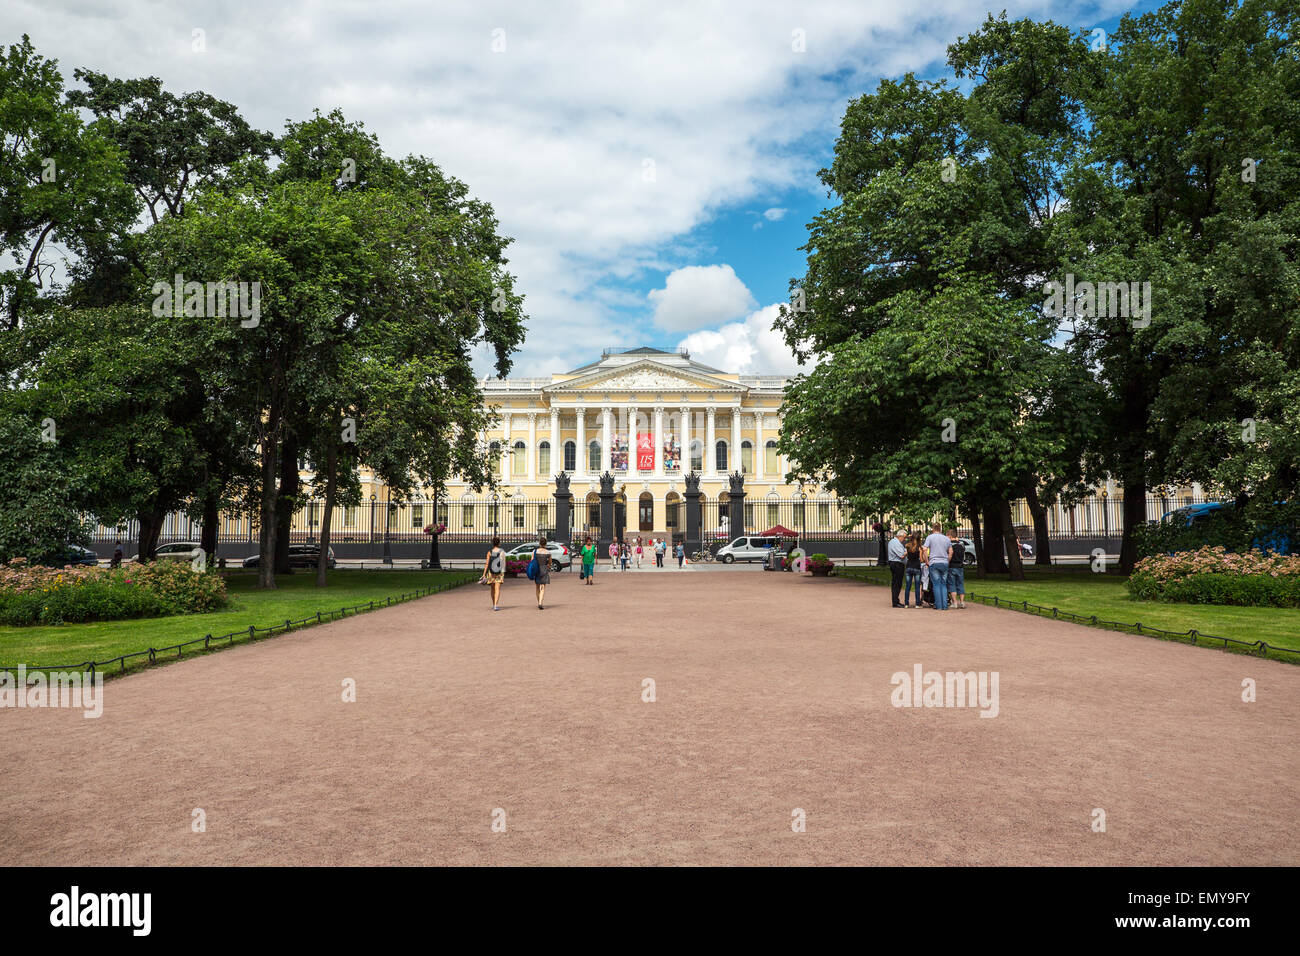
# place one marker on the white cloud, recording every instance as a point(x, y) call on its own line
point(552, 131)
point(698, 296)
point(749, 347)
point(774, 214)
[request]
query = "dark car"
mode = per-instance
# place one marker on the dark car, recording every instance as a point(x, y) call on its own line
point(300, 556)
point(74, 554)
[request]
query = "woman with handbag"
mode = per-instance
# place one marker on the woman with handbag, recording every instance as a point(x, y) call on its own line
point(542, 572)
point(494, 572)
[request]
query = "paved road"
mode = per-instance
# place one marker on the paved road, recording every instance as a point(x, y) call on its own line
point(772, 696)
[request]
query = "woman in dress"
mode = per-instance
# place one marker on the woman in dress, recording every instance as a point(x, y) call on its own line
point(543, 558)
point(494, 571)
point(637, 552)
point(613, 554)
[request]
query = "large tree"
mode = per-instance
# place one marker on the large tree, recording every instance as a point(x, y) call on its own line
point(934, 375)
point(1190, 183)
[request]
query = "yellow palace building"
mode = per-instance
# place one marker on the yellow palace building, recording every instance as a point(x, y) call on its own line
point(646, 416)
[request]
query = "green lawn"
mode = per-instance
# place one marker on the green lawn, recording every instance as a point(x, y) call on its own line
point(295, 597)
point(1106, 596)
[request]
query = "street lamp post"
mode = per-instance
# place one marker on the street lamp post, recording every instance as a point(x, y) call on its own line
point(388, 515)
point(1105, 516)
point(373, 499)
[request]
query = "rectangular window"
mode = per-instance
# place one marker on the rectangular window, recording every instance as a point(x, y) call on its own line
point(770, 463)
point(417, 517)
point(544, 517)
point(350, 517)
point(593, 457)
point(772, 514)
point(518, 517)
point(467, 516)
point(494, 516)
point(593, 516)
point(823, 516)
point(749, 515)
point(747, 458)
point(570, 456)
point(442, 515)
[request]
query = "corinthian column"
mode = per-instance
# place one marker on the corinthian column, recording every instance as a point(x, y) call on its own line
point(711, 439)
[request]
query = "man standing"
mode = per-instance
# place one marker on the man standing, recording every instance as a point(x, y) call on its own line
point(897, 555)
point(957, 569)
point(940, 547)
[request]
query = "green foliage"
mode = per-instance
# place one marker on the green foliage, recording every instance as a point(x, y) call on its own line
point(61, 181)
point(39, 513)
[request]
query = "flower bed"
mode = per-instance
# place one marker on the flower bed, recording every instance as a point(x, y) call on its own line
point(40, 595)
point(515, 568)
point(1213, 575)
point(820, 565)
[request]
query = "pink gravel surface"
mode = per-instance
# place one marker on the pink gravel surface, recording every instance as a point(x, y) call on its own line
point(773, 694)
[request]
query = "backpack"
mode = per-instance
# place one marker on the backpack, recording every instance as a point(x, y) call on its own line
point(531, 570)
point(495, 564)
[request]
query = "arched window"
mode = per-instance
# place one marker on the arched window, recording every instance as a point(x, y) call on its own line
point(770, 463)
point(544, 458)
point(697, 455)
point(570, 456)
point(720, 456)
point(520, 468)
point(494, 450)
point(747, 457)
point(593, 456)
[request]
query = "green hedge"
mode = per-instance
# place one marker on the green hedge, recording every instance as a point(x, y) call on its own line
point(1216, 576)
point(35, 595)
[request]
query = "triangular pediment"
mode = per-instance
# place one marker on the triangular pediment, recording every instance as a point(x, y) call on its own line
point(646, 376)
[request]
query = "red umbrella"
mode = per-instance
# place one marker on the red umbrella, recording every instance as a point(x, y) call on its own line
point(779, 531)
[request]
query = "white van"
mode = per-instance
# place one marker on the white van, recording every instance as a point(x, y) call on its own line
point(746, 549)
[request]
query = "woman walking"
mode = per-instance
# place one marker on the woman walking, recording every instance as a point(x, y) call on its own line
point(494, 571)
point(588, 562)
point(637, 552)
point(624, 555)
point(913, 570)
point(681, 553)
point(613, 554)
point(543, 558)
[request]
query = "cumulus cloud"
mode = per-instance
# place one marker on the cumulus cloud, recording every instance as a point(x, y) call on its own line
point(749, 346)
point(553, 129)
point(698, 296)
point(774, 214)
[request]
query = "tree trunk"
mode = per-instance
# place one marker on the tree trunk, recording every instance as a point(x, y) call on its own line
point(151, 523)
point(208, 540)
point(1135, 515)
point(974, 510)
point(331, 467)
point(1017, 567)
point(1042, 543)
point(285, 501)
point(266, 532)
point(995, 561)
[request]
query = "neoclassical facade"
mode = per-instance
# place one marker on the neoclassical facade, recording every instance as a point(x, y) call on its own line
point(646, 416)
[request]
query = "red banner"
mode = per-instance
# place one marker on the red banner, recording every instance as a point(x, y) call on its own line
point(645, 452)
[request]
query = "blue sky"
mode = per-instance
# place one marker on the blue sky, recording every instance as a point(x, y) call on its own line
point(629, 147)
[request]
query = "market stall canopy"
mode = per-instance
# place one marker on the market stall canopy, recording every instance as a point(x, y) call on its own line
point(779, 531)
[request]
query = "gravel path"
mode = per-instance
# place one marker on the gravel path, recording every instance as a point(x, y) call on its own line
point(773, 693)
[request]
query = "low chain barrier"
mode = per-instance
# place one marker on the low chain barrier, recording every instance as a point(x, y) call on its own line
point(1192, 636)
point(250, 633)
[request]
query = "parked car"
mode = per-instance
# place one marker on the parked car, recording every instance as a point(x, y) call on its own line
point(747, 549)
point(300, 556)
point(1276, 540)
point(176, 551)
point(970, 551)
point(561, 556)
point(74, 554)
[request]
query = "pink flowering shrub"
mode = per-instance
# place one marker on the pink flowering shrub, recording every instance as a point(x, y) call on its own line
point(1213, 575)
point(32, 594)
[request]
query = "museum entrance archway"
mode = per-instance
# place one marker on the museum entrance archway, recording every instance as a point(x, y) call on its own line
point(646, 512)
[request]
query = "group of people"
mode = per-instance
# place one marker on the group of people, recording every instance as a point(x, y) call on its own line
point(621, 552)
point(624, 553)
point(936, 565)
